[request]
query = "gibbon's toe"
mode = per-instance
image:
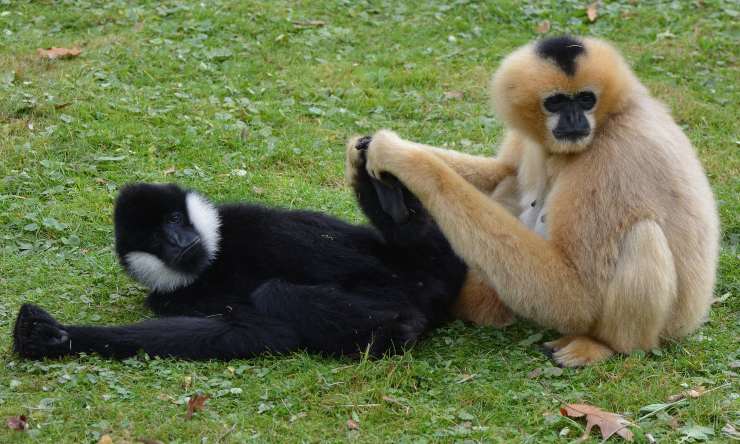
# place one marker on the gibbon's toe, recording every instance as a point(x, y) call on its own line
point(36, 334)
point(580, 351)
point(557, 344)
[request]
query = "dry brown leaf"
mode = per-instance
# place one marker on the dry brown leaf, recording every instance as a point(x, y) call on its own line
point(534, 374)
point(196, 403)
point(105, 439)
point(353, 425)
point(170, 170)
point(609, 423)
point(592, 12)
point(19, 423)
point(453, 95)
point(542, 27)
point(692, 393)
point(58, 53)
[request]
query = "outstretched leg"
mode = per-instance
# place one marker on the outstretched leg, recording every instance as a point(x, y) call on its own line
point(335, 322)
point(388, 204)
point(38, 335)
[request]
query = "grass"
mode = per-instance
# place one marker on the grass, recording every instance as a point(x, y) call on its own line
point(251, 100)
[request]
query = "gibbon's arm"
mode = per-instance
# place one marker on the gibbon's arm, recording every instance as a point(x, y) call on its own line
point(484, 173)
point(531, 272)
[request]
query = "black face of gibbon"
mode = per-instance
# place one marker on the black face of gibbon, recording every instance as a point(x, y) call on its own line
point(571, 110)
point(155, 230)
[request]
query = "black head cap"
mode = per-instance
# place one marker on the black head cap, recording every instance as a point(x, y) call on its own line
point(563, 51)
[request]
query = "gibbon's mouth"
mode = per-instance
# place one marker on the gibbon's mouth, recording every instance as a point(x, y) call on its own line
point(186, 252)
point(570, 136)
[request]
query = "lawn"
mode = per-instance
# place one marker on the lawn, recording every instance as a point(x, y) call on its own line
point(253, 100)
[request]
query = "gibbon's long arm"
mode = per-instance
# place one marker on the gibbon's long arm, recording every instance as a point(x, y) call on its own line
point(484, 173)
point(529, 269)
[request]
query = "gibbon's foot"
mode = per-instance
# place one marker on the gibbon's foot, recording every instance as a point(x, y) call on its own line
point(577, 351)
point(37, 335)
point(355, 156)
point(403, 331)
point(363, 143)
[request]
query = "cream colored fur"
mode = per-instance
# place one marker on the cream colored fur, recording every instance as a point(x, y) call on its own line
point(630, 243)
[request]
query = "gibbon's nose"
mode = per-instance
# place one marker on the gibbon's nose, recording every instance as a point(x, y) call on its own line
point(183, 239)
point(572, 125)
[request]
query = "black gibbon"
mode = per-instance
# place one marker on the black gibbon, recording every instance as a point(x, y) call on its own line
point(595, 219)
point(239, 280)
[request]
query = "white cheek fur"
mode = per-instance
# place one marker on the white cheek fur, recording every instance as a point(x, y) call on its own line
point(204, 217)
point(155, 274)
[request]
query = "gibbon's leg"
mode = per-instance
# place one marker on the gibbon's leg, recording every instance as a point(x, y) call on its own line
point(536, 280)
point(477, 301)
point(638, 300)
point(333, 321)
point(37, 335)
point(415, 227)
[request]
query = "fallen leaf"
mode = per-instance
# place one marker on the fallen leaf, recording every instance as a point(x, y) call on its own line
point(553, 372)
point(297, 416)
point(170, 170)
point(731, 431)
point(105, 439)
point(453, 95)
point(58, 53)
point(187, 381)
point(609, 423)
point(308, 23)
point(353, 425)
point(531, 339)
point(196, 403)
point(19, 423)
point(534, 374)
point(697, 432)
point(542, 27)
point(692, 393)
point(592, 12)
point(721, 299)
point(258, 190)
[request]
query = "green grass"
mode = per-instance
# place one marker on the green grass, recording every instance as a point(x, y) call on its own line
point(235, 99)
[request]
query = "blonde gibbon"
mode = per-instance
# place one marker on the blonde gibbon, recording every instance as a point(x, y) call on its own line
point(595, 219)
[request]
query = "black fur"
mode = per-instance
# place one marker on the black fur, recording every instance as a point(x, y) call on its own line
point(563, 51)
point(281, 281)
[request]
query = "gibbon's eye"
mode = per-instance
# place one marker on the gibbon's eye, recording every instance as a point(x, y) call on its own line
point(556, 102)
point(586, 100)
point(175, 218)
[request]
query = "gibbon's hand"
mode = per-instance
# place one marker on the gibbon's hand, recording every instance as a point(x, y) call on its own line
point(387, 152)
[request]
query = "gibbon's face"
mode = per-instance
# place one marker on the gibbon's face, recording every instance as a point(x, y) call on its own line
point(569, 118)
point(165, 236)
point(560, 90)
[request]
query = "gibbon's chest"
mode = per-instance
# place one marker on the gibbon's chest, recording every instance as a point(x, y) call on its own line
point(535, 177)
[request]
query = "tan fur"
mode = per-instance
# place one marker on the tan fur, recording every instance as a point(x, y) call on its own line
point(489, 310)
point(628, 252)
